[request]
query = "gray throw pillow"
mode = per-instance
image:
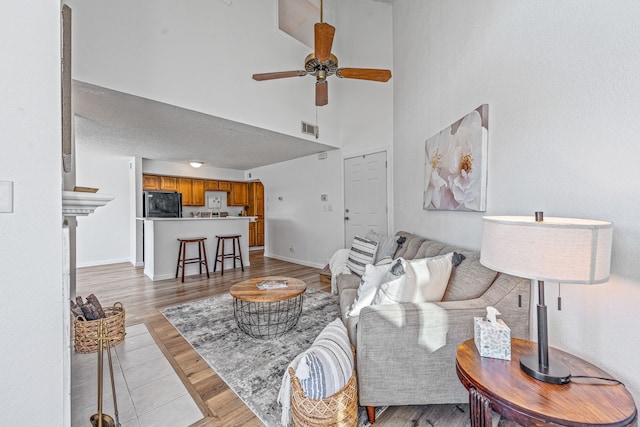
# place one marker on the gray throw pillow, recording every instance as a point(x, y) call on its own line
point(387, 245)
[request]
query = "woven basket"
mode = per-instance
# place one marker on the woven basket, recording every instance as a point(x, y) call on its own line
point(338, 410)
point(86, 331)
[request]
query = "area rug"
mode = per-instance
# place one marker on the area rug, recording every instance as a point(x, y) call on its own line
point(251, 367)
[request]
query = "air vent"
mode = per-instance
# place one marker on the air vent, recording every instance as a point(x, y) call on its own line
point(309, 129)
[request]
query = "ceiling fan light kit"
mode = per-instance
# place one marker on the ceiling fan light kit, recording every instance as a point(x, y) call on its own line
point(322, 64)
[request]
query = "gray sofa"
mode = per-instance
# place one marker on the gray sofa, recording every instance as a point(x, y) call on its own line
point(406, 352)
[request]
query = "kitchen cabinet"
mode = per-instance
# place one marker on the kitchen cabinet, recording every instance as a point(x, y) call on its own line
point(198, 192)
point(211, 185)
point(252, 234)
point(150, 182)
point(224, 186)
point(260, 232)
point(169, 183)
point(239, 195)
point(255, 207)
point(185, 186)
point(192, 191)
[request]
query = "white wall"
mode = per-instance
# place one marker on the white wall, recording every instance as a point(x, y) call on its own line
point(199, 55)
point(32, 307)
point(562, 86)
point(104, 237)
point(295, 217)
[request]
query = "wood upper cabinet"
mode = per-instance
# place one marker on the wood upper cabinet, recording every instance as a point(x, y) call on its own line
point(198, 192)
point(169, 183)
point(150, 182)
point(192, 191)
point(185, 186)
point(239, 195)
point(224, 186)
point(211, 185)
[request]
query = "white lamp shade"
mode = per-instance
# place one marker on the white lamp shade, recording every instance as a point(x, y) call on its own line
point(562, 250)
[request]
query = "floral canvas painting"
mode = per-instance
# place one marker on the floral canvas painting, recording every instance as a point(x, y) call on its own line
point(456, 165)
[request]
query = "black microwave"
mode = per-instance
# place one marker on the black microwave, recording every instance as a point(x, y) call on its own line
point(162, 204)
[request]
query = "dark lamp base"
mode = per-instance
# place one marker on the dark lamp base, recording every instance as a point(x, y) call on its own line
point(555, 373)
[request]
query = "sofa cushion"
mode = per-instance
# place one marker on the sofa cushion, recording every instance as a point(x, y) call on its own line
point(418, 280)
point(470, 279)
point(430, 248)
point(347, 281)
point(410, 247)
point(362, 252)
point(328, 364)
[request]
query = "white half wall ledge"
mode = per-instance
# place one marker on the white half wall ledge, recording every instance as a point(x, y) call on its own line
point(78, 203)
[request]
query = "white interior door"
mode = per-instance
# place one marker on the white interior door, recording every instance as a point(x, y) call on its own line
point(365, 195)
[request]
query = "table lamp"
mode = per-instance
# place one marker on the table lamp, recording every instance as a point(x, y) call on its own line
point(560, 250)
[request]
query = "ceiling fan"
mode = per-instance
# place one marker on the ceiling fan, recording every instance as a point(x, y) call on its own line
point(322, 64)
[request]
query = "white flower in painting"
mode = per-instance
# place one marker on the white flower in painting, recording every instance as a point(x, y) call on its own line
point(435, 186)
point(463, 158)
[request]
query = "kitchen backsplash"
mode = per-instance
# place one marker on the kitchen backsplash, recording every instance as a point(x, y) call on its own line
point(232, 210)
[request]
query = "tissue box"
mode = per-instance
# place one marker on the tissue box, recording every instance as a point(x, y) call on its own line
point(492, 340)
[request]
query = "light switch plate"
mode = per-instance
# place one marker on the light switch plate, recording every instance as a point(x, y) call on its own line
point(6, 196)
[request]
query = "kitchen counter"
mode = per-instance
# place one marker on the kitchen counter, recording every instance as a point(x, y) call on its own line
point(161, 242)
point(250, 218)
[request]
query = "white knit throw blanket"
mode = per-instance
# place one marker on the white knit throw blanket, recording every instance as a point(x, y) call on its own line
point(284, 395)
point(338, 265)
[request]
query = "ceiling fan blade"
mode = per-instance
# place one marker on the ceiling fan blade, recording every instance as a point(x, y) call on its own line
point(322, 93)
point(364, 74)
point(279, 75)
point(323, 39)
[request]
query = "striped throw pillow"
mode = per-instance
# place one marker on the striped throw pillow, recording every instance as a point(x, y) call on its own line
point(327, 365)
point(362, 252)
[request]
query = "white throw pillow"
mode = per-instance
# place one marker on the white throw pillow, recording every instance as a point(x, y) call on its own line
point(362, 252)
point(371, 280)
point(417, 280)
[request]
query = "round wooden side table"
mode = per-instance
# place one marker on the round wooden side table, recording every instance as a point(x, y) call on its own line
point(502, 386)
point(267, 313)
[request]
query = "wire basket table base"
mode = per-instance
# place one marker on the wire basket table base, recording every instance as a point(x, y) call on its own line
point(267, 319)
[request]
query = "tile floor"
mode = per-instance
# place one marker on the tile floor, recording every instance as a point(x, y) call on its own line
point(149, 392)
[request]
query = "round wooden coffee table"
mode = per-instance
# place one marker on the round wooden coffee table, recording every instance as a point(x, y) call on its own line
point(267, 313)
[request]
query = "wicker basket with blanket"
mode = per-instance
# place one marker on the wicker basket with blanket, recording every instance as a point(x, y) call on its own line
point(338, 410)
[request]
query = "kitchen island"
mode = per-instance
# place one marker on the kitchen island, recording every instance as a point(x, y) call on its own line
point(161, 242)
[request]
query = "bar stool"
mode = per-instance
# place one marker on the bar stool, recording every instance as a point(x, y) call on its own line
point(221, 255)
point(182, 255)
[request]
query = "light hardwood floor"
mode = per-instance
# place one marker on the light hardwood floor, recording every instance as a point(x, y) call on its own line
point(142, 298)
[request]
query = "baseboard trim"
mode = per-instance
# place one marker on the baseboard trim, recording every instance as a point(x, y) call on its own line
point(104, 262)
point(295, 261)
